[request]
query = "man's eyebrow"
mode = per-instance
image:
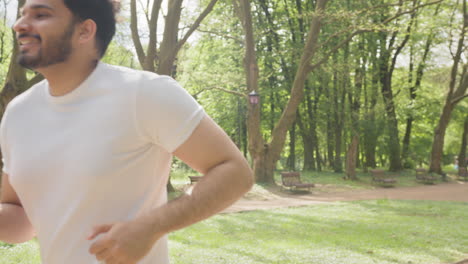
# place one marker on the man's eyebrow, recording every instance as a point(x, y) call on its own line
point(37, 6)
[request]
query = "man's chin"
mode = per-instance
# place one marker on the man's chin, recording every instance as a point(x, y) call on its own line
point(28, 62)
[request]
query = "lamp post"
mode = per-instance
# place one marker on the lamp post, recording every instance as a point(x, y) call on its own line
point(254, 98)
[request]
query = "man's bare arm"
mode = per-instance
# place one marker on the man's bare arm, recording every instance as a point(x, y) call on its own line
point(14, 224)
point(227, 176)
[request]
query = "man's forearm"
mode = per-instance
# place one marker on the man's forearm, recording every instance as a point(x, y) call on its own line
point(220, 187)
point(14, 224)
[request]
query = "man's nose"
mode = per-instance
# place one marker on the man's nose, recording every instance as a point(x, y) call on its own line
point(21, 25)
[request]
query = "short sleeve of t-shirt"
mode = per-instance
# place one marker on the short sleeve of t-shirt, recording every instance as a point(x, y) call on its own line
point(3, 143)
point(166, 113)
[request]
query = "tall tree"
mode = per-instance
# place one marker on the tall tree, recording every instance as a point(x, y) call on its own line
point(161, 58)
point(456, 92)
point(416, 74)
point(389, 53)
point(265, 155)
point(354, 98)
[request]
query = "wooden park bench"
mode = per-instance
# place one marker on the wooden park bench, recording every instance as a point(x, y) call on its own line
point(462, 174)
point(292, 180)
point(194, 179)
point(381, 178)
point(422, 176)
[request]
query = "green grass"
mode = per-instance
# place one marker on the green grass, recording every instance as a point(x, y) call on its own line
point(26, 253)
point(381, 231)
point(377, 231)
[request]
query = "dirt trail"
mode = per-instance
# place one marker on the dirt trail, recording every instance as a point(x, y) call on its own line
point(455, 191)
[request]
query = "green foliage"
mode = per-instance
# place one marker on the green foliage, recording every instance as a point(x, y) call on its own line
point(119, 55)
point(5, 50)
point(212, 65)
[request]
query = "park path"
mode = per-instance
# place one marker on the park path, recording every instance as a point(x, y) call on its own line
point(454, 191)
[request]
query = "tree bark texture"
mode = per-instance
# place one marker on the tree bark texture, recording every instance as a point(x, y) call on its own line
point(462, 162)
point(351, 158)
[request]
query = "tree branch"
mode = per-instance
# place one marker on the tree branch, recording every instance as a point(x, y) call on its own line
point(145, 10)
point(222, 34)
point(377, 7)
point(360, 31)
point(196, 24)
point(134, 29)
point(458, 99)
point(403, 43)
point(153, 35)
point(37, 78)
point(337, 34)
point(337, 47)
point(409, 11)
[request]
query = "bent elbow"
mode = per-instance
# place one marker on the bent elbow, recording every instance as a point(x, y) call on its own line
point(248, 178)
point(21, 236)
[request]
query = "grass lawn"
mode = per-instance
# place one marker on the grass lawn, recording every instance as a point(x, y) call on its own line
point(377, 231)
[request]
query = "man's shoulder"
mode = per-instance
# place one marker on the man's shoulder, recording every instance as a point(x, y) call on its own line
point(27, 97)
point(125, 74)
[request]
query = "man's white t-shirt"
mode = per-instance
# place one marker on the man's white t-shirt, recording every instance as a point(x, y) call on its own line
point(97, 155)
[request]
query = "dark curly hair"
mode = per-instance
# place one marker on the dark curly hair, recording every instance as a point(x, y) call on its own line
point(102, 12)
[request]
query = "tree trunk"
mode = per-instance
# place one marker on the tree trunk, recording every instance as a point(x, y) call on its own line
point(392, 122)
point(308, 143)
point(439, 136)
point(371, 129)
point(168, 49)
point(264, 166)
point(257, 147)
point(387, 67)
point(338, 113)
point(330, 142)
point(462, 162)
point(454, 96)
point(309, 161)
point(318, 158)
point(291, 161)
point(354, 98)
point(406, 141)
point(351, 158)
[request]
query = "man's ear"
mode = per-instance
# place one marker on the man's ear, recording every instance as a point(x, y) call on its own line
point(87, 31)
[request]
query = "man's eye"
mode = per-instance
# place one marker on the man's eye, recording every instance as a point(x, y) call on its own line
point(40, 15)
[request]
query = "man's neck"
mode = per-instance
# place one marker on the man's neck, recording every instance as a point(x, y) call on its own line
point(65, 77)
